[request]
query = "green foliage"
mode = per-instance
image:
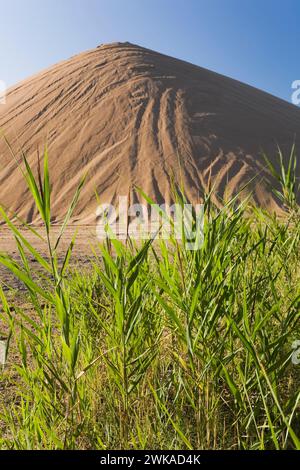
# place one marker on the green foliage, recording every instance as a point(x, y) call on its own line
point(155, 346)
point(286, 176)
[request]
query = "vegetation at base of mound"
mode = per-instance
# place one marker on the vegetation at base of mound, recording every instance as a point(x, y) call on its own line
point(156, 346)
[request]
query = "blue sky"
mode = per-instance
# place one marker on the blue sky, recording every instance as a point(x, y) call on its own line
point(255, 41)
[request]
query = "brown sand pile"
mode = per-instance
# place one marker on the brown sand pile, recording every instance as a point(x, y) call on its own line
point(131, 116)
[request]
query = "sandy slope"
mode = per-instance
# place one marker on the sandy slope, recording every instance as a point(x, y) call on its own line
point(129, 115)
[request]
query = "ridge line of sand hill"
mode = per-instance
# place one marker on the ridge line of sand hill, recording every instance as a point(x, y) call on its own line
point(134, 116)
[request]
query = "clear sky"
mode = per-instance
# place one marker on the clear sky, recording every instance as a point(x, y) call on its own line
point(255, 41)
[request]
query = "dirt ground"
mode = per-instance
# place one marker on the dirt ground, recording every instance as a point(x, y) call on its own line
point(85, 243)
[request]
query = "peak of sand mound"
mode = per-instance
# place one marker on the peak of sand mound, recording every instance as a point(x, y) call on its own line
point(131, 116)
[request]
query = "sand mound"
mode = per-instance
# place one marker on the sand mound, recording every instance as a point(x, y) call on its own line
point(131, 116)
